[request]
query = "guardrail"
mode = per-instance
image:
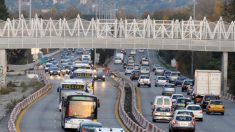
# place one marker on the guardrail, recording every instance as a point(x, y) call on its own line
point(26, 102)
point(229, 97)
point(143, 124)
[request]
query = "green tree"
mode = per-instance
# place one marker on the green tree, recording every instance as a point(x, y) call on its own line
point(3, 10)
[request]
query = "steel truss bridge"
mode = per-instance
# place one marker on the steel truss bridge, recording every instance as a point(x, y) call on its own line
point(146, 33)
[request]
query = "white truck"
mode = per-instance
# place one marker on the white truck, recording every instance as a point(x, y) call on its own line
point(207, 83)
point(119, 57)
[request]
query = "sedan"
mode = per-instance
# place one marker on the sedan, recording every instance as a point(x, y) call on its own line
point(182, 122)
point(162, 113)
point(159, 71)
point(161, 80)
point(168, 89)
point(129, 70)
point(180, 80)
point(197, 111)
point(215, 106)
point(100, 75)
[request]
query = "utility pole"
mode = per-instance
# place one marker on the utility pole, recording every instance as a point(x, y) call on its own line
point(30, 9)
point(192, 55)
point(19, 7)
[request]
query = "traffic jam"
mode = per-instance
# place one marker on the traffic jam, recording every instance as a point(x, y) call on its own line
point(78, 105)
point(183, 101)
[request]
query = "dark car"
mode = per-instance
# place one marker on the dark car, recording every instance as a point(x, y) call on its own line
point(181, 103)
point(54, 70)
point(186, 83)
point(100, 75)
point(180, 80)
point(135, 75)
point(207, 98)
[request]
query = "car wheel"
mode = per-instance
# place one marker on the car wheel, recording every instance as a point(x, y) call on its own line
point(125, 73)
point(153, 120)
point(222, 113)
point(138, 85)
point(155, 85)
point(103, 80)
point(150, 85)
point(201, 119)
point(207, 112)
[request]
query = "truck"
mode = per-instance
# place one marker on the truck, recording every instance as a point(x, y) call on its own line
point(207, 83)
point(86, 58)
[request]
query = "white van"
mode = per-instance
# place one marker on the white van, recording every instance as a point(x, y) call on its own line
point(161, 101)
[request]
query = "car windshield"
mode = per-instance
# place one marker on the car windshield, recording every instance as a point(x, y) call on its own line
point(185, 112)
point(54, 68)
point(136, 72)
point(208, 98)
point(182, 100)
point(174, 74)
point(160, 68)
point(161, 78)
point(188, 83)
point(184, 118)
point(216, 102)
point(194, 108)
point(176, 96)
point(144, 77)
point(167, 101)
point(169, 86)
point(163, 109)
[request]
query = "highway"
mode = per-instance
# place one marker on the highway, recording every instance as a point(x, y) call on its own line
point(215, 123)
point(44, 116)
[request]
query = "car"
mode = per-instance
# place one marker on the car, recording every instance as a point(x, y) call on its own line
point(88, 126)
point(133, 52)
point(162, 114)
point(99, 75)
point(160, 81)
point(129, 70)
point(155, 66)
point(168, 89)
point(54, 70)
point(141, 50)
point(123, 51)
point(131, 61)
point(159, 71)
point(179, 81)
point(144, 62)
point(47, 66)
point(167, 73)
point(65, 69)
point(117, 60)
point(135, 75)
point(215, 106)
point(187, 83)
point(206, 99)
point(136, 67)
point(175, 96)
point(187, 112)
point(197, 111)
point(144, 70)
point(173, 76)
point(161, 101)
point(181, 103)
point(182, 122)
point(144, 80)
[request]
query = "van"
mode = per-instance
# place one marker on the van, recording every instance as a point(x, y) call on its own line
point(161, 101)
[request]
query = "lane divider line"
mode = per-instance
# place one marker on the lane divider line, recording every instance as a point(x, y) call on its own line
point(22, 113)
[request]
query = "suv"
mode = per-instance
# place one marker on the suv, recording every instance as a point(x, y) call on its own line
point(144, 80)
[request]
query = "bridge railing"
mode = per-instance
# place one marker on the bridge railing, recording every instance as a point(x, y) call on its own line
point(26, 102)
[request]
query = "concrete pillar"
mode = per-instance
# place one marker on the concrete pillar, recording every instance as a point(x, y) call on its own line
point(3, 67)
point(225, 71)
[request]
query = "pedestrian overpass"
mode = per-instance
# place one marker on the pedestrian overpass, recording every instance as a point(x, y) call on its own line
point(192, 35)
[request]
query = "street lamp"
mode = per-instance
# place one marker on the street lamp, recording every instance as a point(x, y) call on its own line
point(194, 16)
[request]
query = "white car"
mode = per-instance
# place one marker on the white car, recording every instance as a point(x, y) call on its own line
point(161, 101)
point(141, 50)
point(168, 89)
point(159, 71)
point(173, 76)
point(161, 80)
point(197, 111)
point(144, 80)
point(117, 60)
point(144, 70)
point(129, 70)
point(133, 52)
point(175, 96)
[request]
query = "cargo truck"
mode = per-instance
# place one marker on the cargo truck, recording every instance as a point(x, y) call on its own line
point(207, 86)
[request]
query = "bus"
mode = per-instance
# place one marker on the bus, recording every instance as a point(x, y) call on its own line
point(78, 107)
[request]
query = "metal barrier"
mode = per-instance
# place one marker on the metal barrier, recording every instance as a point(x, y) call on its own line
point(143, 124)
point(229, 97)
point(27, 101)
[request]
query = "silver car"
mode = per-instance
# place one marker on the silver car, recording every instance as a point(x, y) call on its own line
point(160, 81)
point(168, 89)
point(162, 113)
point(159, 71)
point(182, 122)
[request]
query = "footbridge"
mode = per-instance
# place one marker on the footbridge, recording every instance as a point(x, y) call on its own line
point(192, 35)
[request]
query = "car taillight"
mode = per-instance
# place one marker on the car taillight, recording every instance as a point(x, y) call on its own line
point(223, 107)
point(174, 123)
point(201, 111)
point(209, 107)
point(193, 123)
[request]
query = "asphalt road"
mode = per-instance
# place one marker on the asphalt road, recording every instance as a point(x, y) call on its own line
point(44, 116)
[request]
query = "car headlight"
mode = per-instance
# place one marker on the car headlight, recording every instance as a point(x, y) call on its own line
point(95, 76)
point(103, 76)
point(69, 121)
point(58, 71)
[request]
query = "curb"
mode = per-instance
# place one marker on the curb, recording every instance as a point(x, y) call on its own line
point(139, 100)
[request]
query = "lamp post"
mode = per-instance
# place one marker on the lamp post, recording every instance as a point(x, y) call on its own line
point(20, 7)
point(192, 56)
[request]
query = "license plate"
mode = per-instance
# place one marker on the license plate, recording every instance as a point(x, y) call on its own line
point(183, 124)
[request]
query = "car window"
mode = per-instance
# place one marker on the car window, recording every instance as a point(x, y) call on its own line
point(207, 98)
point(177, 96)
point(161, 78)
point(194, 108)
point(217, 102)
point(163, 109)
point(184, 118)
point(167, 101)
point(159, 101)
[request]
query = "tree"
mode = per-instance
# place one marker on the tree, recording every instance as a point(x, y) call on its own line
point(229, 10)
point(3, 10)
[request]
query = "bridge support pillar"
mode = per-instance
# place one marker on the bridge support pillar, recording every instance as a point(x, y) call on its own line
point(224, 71)
point(3, 67)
